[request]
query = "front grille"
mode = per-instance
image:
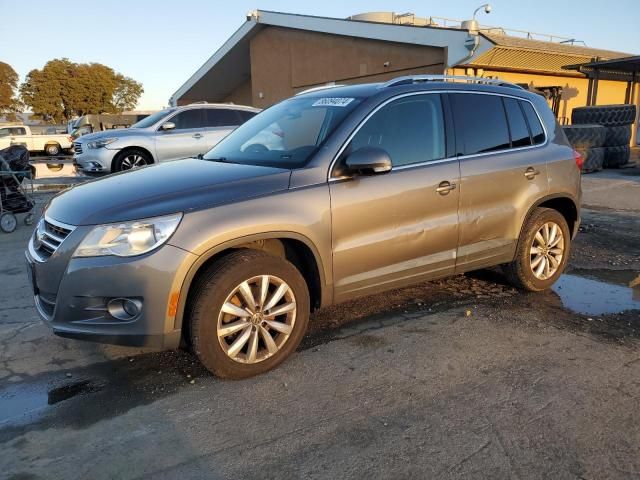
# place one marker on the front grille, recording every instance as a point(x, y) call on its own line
point(77, 147)
point(48, 237)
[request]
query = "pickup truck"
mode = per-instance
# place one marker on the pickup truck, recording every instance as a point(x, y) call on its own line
point(22, 135)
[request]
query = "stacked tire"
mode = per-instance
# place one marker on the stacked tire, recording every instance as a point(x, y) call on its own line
point(617, 121)
point(589, 141)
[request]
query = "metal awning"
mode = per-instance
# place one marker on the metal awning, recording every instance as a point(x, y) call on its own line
point(626, 69)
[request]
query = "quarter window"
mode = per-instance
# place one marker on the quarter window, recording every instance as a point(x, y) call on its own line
point(537, 132)
point(517, 123)
point(410, 129)
point(188, 119)
point(481, 121)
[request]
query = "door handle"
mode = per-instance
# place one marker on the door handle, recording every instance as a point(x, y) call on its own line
point(445, 187)
point(531, 172)
point(197, 135)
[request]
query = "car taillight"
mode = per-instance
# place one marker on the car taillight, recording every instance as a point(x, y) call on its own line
point(579, 160)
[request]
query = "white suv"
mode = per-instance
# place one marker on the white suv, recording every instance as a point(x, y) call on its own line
point(170, 134)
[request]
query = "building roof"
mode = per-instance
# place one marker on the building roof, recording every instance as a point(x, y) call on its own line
point(625, 69)
point(524, 54)
point(230, 65)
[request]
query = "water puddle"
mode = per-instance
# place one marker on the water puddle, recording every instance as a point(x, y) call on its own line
point(594, 297)
point(30, 400)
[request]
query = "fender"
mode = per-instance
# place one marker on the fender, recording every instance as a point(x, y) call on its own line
point(326, 290)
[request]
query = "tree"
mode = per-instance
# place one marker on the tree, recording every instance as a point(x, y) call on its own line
point(9, 104)
point(63, 90)
point(126, 93)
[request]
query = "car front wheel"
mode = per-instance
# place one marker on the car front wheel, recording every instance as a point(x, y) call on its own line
point(543, 251)
point(248, 313)
point(130, 160)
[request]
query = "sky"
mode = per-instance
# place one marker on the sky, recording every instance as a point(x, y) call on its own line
point(162, 43)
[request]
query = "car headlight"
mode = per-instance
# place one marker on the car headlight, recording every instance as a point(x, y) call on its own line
point(127, 239)
point(103, 142)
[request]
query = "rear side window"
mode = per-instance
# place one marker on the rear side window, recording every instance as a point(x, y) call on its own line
point(221, 117)
point(245, 115)
point(188, 119)
point(537, 132)
point(481, 121)
point(517, 123)
point(410, 129)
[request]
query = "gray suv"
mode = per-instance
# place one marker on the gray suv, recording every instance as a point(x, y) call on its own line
point(324, 197)
point(169, 134)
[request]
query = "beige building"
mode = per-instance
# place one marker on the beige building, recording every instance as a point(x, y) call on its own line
point(274, 55)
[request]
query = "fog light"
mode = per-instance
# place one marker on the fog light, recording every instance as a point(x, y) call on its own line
point(124, 308)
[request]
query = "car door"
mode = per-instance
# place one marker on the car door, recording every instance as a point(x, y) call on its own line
point(218, 123)
point(400, 227)
point(502, 174)
point(187, 139)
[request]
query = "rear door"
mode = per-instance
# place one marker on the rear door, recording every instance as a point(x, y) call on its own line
point(502, 173)
point(400, 227)
point(186, 140)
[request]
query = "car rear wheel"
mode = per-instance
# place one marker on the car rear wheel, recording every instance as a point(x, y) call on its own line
point(248, 313)
point(543, 251)
point(130, 160)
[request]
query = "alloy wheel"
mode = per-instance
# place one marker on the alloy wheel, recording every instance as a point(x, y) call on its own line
point(547, 251)
point(133, 161)
point(256, 319)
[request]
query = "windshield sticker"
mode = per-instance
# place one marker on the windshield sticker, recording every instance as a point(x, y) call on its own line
point(333, 102)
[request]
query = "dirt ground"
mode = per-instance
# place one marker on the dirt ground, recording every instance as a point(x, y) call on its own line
point(460, 378)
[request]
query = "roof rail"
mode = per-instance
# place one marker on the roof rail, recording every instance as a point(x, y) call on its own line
point(317, 89)
point(410, 79)
point(200, 102)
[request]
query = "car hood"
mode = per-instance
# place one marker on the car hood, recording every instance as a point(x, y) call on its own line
point(180, 186)
point(113, 133)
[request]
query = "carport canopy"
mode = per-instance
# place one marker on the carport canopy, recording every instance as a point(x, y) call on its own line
point(620, 69)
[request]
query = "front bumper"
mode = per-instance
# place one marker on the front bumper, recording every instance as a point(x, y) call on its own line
point(79, 307)
point(94, 160)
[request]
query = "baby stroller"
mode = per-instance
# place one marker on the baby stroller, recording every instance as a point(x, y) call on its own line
point(14, 198)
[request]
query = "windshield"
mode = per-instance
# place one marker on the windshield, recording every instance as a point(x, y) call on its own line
point(285, 135)
point(152, 119)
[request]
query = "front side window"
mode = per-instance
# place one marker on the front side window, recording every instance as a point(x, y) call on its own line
point(286, 135)
point(188, 119)
point(410, 130)
point(481, 122)
point(4, 132)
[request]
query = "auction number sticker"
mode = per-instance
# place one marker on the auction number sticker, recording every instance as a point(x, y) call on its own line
point(333, 102)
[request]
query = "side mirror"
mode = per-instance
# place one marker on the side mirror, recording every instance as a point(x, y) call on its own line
point(368, 161)
point(167, 126)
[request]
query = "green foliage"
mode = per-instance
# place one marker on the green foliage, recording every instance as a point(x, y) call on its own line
point(63, 89)
point(9, 104)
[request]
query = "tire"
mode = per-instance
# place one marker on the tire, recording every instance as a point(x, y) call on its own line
point(52, 149)
point(131, 159)
point(617, 136)
point(615, 157)
point(593, 159)
point(220, 285)
point(8, 222)
point(607, 115)
point(520, 272)
point(585, 136)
